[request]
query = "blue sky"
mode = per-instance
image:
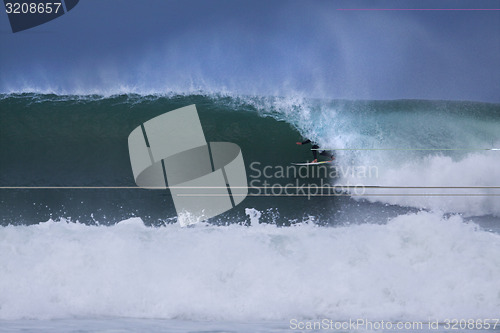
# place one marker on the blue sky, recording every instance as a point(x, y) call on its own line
point(261, 47)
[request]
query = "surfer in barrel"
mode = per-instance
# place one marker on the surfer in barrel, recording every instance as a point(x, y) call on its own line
point(315, 149)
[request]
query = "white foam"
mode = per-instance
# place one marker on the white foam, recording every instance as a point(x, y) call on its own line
point(474, 170)
point(254, 215)
point(414, 267)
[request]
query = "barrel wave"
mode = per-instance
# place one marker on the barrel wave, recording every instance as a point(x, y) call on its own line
point(77, 233)
point(80, 141)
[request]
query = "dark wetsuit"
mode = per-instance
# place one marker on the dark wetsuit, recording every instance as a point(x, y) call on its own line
point(315, 152)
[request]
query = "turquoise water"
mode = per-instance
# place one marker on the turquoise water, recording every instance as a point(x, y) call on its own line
point(81, 141)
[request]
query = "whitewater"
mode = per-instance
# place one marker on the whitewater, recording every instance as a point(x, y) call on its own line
point(256, 273)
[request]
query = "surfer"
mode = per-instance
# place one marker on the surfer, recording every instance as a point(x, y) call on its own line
point(315, 148)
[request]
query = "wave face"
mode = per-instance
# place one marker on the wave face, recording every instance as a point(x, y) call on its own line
point(61, 270)
point(50, 140)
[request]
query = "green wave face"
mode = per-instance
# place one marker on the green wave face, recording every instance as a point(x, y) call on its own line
point(81, 141)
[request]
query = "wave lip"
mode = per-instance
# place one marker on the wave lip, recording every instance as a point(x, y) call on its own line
point(417, 266)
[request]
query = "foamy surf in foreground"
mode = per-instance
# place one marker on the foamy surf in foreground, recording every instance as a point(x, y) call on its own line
point(257, 273)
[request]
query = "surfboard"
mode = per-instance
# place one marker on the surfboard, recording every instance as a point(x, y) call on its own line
point(311, 163)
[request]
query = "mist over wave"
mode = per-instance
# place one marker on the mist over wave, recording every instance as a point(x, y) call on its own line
point(60, 270)
point(277, 48)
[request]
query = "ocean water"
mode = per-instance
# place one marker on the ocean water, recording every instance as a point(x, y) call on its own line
point(115, 259)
